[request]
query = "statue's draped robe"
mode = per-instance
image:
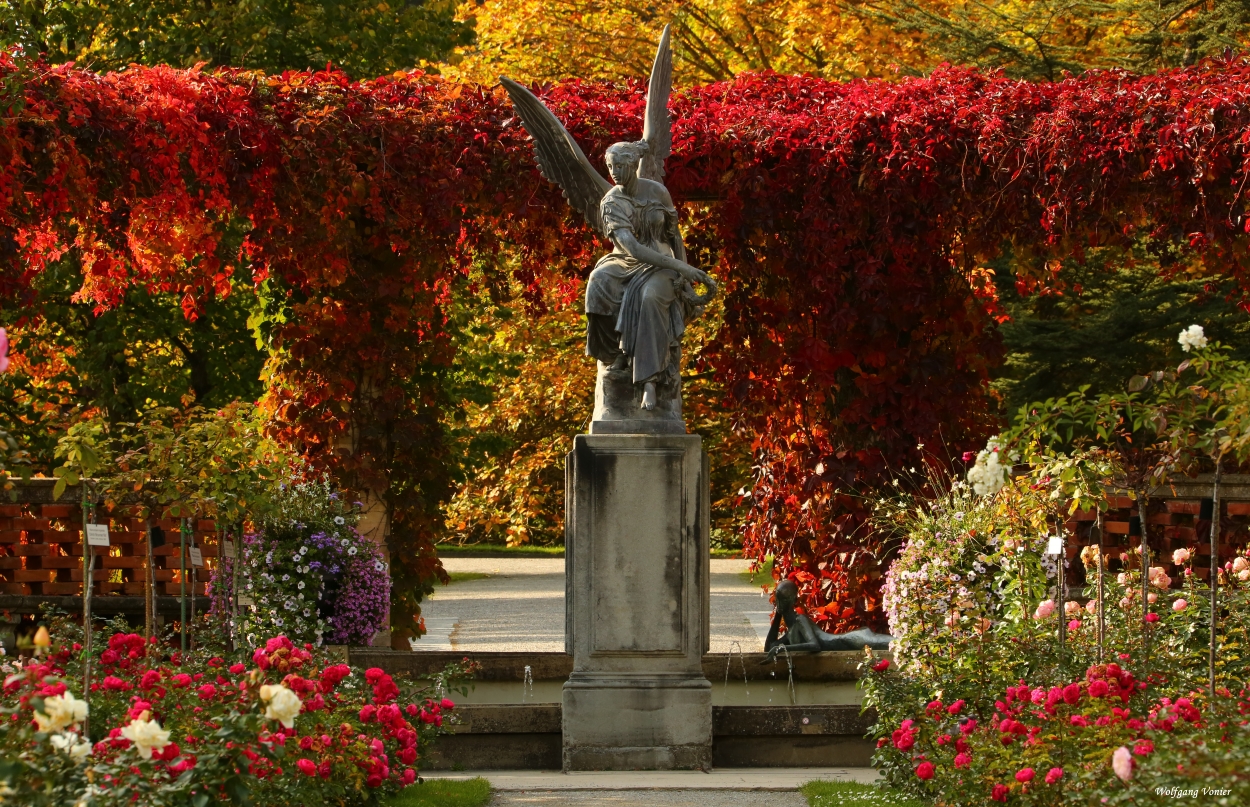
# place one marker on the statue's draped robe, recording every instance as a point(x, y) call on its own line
point(633, 306)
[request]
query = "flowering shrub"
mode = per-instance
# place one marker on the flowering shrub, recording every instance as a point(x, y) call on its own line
point(983, 705)
point(286, 728)
point(308, 573)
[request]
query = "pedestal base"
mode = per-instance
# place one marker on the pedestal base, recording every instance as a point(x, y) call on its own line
point(642, 723)
point(636, 571)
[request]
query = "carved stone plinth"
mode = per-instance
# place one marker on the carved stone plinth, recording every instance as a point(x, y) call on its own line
point(636, 603)
point(618, 402)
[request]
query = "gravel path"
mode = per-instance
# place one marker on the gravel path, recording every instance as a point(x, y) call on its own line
point(520, 607)
point(648, 798)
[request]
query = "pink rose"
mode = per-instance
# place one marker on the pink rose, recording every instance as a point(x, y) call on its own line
point(1122, 763)
point(307, 767)
point(962, 760)
point(1054, 775)
point(1024, 775)
point(1180, 604)
point(4, 351)
point(1044, 609)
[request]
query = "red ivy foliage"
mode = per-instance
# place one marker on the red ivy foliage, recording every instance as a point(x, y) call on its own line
point(849, 221)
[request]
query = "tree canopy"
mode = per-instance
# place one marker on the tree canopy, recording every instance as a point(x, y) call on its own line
point(364, 39)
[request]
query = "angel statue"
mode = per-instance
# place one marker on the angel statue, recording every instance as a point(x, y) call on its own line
point(639, 296)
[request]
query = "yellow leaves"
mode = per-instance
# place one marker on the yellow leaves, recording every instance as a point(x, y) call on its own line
point(713, 39)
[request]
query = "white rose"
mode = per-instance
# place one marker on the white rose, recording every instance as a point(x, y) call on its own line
point(284, 704)
point(61, 711)
point(147, 735)
point(66, 743)
point(1192, 337)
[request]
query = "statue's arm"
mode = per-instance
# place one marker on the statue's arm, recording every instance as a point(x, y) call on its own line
point(626, 241)
point(674, 230)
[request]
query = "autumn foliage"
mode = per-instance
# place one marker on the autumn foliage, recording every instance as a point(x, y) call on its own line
point(849, 221)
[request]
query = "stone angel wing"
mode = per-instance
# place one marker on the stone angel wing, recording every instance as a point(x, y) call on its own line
point(657, 126)
point(559, 157)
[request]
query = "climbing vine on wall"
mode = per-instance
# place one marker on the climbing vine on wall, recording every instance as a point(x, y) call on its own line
point(851, 223)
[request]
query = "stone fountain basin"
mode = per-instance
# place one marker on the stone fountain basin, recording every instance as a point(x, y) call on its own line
point(509, 723)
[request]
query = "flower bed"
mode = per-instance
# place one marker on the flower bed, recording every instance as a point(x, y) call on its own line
point(984, 705)
point(286, 726)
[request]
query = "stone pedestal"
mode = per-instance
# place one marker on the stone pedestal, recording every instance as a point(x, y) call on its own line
point(636, 604)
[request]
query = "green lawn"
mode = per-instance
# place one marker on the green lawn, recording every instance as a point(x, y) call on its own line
point(498, 551)
point(852, 794)
point(464, 577)
point(762, 576)
point(444, 793)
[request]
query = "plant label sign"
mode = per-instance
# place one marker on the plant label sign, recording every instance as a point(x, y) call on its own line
point(197, 557)
point(1055, 547)
point(227, 549)
point(97, 535)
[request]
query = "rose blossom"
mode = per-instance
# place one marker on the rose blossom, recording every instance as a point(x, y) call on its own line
point(147, 735)
point(1180, 604)
point(284, 704)
point(1122, 763)
point(1054, 775)
point(925, 770)
point(59, 712)
point(1072, 608)
point(1024, 775)
point(1180, 556)
point(1044, 609)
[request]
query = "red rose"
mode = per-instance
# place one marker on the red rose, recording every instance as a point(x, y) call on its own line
point(881, 666)
point(1071, 694)
point(999, 793)
point(307, 767)
point(925, 770)
point(1024, 775)
point(962, 760)
point(1097, 689)
point(1054, 775)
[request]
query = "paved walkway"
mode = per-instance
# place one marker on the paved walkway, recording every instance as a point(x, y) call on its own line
point(650, 798)
point(520, 607)
point(757, 787)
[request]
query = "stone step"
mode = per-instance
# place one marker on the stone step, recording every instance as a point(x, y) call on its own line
point(529, 737)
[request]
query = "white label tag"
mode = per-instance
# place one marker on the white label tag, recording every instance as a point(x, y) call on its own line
point(1055, 547)
point(197, 558)
point(246, 602)
point(97, 535)
point(227, 549)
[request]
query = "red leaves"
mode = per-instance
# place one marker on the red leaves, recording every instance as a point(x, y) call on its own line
point(849, 224)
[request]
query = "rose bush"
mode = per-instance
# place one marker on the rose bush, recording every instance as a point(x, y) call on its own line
point(285, 727)
point(984, 705)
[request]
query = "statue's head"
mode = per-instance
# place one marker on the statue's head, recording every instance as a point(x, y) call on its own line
point(786, 595)
point(623, 159)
